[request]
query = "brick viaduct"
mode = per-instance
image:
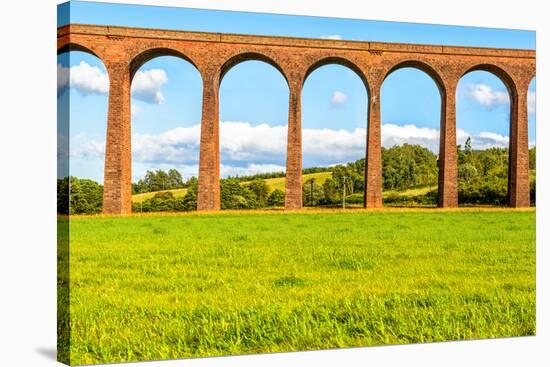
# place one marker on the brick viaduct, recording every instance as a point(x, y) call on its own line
point(124, 50)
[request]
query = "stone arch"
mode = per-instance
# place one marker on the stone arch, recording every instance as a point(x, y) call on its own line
point(442, 155)
point(338, 61)
point(500, 73)
point(251, 78)
point(532, 129)
point(168, 60)
point(512, 89)
point(67, 122)
point(359, 77)
point(422, 66)
point(249, 56)
point(142, 58)
point(75, 46)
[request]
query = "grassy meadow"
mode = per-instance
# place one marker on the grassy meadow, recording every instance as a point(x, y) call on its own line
point(150, 287)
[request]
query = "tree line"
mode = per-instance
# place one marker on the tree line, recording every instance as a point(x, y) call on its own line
point(482, 180)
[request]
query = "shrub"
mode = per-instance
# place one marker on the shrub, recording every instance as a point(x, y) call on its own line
point(276, 198)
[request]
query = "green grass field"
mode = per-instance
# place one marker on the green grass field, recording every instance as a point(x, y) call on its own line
point(190, 285)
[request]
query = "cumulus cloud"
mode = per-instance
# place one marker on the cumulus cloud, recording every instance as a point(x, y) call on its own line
point(398, 135)
point(487, 96)
point(146, 85)
point(179, 145)
point(338, 98)
point(89, 149)
point(87, 79)
point(487, 140)
point(332, 37)
point(247, 149)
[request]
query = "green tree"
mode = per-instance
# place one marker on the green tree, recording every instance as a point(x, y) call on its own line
point(406, 166)
point(259, 190)
point(533, 158)
point(276, 198)
point(330, 191)
point(189, 201)
point(175, 180)
point(235, 196)
point(83, 196)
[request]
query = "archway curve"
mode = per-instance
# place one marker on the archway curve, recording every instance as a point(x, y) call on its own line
point(336, 60)
point(249, 56)
point(166, 93)
point(508, 115)
point(419, 111)
point(424, 67)
point(72, 46)
point(500, 73)
point(87, 119)
point(142, 58)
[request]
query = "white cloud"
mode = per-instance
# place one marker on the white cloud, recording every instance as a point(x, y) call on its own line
point(146, 85)
point(87, 79)
point(487, 96)
point(327, 146)
point(398, 135)
point(332, 37)
point(338, 98)
point(179, 145)
point(429, 137)
point(487, 140)
point(241, 141)
point(89, 149)
point(247, 149)
point(531, 102)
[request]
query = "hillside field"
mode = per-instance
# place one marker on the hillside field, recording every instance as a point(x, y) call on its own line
point(279, 183)
point(273, 183)
point(151, 287)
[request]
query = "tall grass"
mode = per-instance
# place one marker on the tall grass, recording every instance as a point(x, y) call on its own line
point(160, 287)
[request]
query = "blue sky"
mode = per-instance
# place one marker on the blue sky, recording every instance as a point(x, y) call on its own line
point(166, 95)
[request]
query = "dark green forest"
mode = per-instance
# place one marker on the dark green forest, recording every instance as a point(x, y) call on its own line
point(482, 180)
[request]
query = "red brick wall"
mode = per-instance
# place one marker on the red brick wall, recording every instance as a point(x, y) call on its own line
point(123, 50)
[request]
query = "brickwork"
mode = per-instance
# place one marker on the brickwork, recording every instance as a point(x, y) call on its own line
point(123, 50)
point(293, 179)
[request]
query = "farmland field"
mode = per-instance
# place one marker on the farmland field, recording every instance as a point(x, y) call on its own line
point(188, 285)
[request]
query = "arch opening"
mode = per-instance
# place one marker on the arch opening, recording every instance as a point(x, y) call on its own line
point(334, 127)
point(154, 53)
point(411, 99)
point(247, 57)
point(532, 136)
point(82, 104)
point(253, 110)
point(166, 109)
point(485, 101)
